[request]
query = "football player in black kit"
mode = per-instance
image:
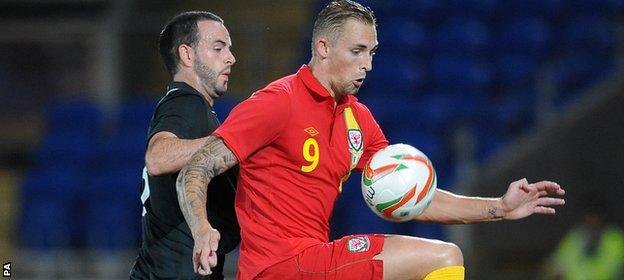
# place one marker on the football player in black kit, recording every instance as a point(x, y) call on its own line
point(195, 47)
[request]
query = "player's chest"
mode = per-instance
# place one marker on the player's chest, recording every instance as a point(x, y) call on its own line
point(317, 143)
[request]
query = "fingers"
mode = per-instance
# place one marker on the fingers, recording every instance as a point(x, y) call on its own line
point(214, 241)
point(204, 265)
point(196, 262)
point(549, 187)
point(212, 259)
point(203, 271)
point(522, 184)
point(544, 210)
point(206, 257)
point(550, 201)
point(201, 263)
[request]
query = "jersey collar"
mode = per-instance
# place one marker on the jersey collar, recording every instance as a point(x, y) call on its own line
point(178, 85)
point(305, 74)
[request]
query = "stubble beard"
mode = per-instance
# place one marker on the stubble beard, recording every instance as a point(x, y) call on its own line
point(208, 79)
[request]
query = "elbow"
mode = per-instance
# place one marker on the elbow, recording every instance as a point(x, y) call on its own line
point(154, 167)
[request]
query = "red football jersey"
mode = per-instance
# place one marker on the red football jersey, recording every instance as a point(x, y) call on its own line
point(291, 143)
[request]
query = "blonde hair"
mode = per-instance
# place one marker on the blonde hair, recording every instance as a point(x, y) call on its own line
point(330, 20)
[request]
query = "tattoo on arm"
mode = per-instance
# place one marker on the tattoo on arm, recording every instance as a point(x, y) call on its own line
point(209, 161)
point(495, 213)
point(492, 211)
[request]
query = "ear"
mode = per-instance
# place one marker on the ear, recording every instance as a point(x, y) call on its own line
point(186, 55)
point(321, 47)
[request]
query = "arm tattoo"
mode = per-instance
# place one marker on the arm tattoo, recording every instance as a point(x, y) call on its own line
point(209, 161)
point(492, 211)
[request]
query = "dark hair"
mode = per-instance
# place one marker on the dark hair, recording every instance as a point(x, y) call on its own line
point(330, 20)
point(182, 29)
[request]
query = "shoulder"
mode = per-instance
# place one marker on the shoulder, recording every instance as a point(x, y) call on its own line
point(182, 96)
point(182, 103)
point(361, 110)
point(279, 90)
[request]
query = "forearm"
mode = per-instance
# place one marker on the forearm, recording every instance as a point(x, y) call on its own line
point(209, 161)
point(166, 155)
point(192, 190)
point(450, 208)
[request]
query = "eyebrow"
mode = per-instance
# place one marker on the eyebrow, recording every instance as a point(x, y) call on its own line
point(361, 46)
point(219, 42)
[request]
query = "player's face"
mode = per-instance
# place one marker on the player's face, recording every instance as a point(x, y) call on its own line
point(351, 56)
point(214, 58)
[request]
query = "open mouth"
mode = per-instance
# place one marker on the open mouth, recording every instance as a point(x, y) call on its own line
point(358, 82)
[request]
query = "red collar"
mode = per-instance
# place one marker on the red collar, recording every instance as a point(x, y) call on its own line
point(305, 74)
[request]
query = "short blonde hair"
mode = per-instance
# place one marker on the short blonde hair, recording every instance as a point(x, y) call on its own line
point(330, 20)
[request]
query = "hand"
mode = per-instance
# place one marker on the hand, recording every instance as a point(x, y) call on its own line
point(205, 250)
point(523, 199)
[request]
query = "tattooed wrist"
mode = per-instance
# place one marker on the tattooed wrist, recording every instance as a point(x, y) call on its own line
point(495, 211)
point(492, 212)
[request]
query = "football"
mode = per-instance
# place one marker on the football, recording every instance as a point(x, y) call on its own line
point(398, 182)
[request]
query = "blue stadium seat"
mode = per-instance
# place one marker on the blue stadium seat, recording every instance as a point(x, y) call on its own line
point(541, 8)
point(575, 71)
point(462, 36)
point(52, 182)
point(404, 36)
point(426, 10)
point(529, 36)
point(127, 148)
point(114, 214)
point(439, 109)
point(489, 136)
point(48, 193)
point(595, 8)
point(113, 225)
point(45, 225)
point(515, 111)
point(429, 142)
point(80, 116)
point(66, 148)
point(393, 73)
point(481, 9)
point(516, 70)
point(587, 34)
point(392, 112)
point(460, 73)
point(136, 112)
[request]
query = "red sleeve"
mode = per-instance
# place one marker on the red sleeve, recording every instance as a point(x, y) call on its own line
point(255, 122)
point(374, 139)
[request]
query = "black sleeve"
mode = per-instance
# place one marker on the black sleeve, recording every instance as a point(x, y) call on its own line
point(182, 115)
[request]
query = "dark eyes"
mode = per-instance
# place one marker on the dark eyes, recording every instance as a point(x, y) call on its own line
point(358, 51)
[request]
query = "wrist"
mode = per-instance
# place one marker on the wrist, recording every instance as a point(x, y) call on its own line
point(495, 210)
point(200, 229)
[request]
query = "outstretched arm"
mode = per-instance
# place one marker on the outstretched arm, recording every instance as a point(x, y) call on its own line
point(166, 153)
point(521, 200)
point(209, 161)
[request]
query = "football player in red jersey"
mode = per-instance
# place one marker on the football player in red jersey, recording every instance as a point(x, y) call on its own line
point(291, 142)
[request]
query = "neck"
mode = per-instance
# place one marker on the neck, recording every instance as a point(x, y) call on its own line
point(193, 81)
point(321, 75)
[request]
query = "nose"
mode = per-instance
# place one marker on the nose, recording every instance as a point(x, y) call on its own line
point(230, 59)
point(368, 63)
